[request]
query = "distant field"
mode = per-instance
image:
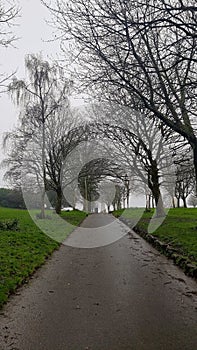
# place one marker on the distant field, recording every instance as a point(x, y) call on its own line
point(23, 251)
point(179, 228)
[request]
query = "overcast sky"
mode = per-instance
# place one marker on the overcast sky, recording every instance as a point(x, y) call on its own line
point(33, 33)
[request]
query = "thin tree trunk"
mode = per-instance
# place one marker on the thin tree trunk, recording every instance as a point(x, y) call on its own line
point(58, 206)
point(173, 202)
point(127, 201)
point(43, 173)
point(128, 193)
point(195, 165)
point(43, 204)
point(119, 206)
point(184, 202)
point(178, 202)
point(147, 202)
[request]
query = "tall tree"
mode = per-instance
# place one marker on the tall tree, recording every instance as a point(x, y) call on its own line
point(39, 97)
point(63, 134)
point(144, 48)
point(140, 143)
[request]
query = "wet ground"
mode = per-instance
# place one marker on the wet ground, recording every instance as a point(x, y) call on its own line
point(118, 297)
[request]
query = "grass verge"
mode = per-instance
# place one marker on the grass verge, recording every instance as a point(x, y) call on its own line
point(176, 237)
point(24, 250)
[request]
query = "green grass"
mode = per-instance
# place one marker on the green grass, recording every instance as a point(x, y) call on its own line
point(23, 251)
point(179, 229)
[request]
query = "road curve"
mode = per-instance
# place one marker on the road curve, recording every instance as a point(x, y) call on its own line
point(123, 296)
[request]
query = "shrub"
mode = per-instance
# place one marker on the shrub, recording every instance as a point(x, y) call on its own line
point(9, 225)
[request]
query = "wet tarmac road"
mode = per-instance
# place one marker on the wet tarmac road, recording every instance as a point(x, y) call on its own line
point(119, 297)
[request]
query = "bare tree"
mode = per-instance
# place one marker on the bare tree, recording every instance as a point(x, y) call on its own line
point(94, 173)
point(8, 14)
point(119, 197)
point(184, 182)
point(24, 157)
point(39, 97)
point(180, 14)
point(63, 134)
point(143, 50)
point(142, 145)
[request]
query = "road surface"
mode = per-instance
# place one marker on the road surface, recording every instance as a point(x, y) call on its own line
point(124, 296)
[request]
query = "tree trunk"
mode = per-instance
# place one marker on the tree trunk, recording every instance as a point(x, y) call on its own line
point(119, 206)
point(153, 183)
point(89, 207)
point(43, 204)
point(159, 206)
point(184, 202)
point(173, 202)
point(147, 202)
point(58, 205)
point(85, 205)
point(43, 171)
point(178, 202)
point(195, 164)
point(128, 194)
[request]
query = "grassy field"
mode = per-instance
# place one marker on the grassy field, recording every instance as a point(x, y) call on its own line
point(24, 250)
point(179, 229)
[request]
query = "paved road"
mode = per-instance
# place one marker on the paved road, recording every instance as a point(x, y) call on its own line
point(124, 296)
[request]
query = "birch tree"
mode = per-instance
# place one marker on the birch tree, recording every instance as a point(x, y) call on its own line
point(39, 96)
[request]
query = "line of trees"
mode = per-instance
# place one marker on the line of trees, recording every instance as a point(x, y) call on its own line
point(49, 131)
point(137, 53)
point(138, 59)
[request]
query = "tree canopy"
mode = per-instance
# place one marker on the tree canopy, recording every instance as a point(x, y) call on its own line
point(143, 52)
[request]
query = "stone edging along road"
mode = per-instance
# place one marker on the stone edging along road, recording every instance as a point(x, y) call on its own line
point(172, 253)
